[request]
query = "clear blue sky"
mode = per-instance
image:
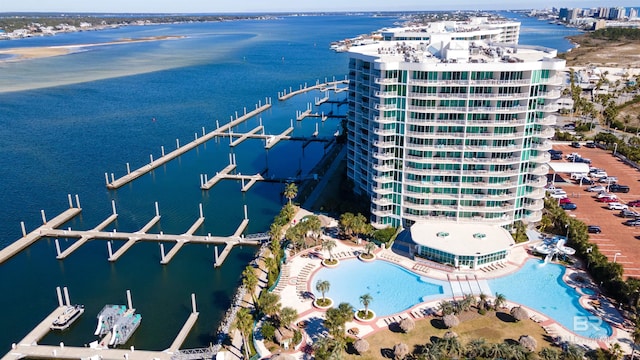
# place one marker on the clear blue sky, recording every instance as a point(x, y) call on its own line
point(222, 6)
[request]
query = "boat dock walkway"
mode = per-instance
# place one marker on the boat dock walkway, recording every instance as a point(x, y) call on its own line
point(184, 332)
point(165, 158)
point(330, 85)
point(29, 238)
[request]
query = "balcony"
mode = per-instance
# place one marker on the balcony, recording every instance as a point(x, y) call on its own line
point(381, 213)
point(539, 182)
point(535, 194)
point(384, 155)
point(436, 135)
point(383, 179)
point(553, 94)
point(384, 132)
point(384, 144)
point(544, 146)
point(549, 108)
point(386, 94)
point(386, 107)
point(382, 191)
point(539, 170)
point(384, 119)
point(534, 205)
point(509, 160)
point(382, 201)
point(490, 209)
point(384, 167)
point(547, 120)
point(554, 80)
point(384, 81)
point(534, 216)
point(542, 158)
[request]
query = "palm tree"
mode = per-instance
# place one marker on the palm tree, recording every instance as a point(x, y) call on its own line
point(249, 281)
point(329, 245)
point(451, 346)
point(275, 232)
point(269, 303)
point(499, 301)
point(313, 224)
point(323, 286)
point(550, 354)
point(244, 323)
point(482, 304)
point(365, 300)
point(346, 223)
point(290, 191)
point(476, 348)
point(287, 316)
point(445, 307)
point(369, 247)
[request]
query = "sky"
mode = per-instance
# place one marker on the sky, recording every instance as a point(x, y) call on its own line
point(244, 6)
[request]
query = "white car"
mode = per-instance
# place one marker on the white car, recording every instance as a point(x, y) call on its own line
point(617, 206)
point(608, 179)
point(596, 188)
point(559, 194)
point(598, 174)
point(603, 194)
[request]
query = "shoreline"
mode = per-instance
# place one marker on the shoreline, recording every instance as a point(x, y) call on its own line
point(39, 52)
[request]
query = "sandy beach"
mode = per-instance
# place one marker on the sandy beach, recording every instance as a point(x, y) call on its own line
point(27, 53)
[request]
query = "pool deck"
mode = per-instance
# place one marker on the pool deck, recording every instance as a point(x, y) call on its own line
point(296, 291)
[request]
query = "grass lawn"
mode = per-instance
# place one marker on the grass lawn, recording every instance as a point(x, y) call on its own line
point(493, 327)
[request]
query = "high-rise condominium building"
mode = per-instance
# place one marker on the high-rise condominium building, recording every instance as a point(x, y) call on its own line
point(449, 131)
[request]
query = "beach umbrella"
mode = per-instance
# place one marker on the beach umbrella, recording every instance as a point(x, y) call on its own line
point(450, 335)
point(528, 342)
point(519, 313)
point(400, 351)
point(407, 324)
point(450, 320)
point(361, 346)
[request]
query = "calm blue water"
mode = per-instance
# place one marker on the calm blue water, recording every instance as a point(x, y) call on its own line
point(540, 32)
point(66, 120)
point(541, 287)
point(393, 288)
point(90, 112)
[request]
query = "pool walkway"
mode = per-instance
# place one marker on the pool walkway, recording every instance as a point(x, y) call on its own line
point(296, 291)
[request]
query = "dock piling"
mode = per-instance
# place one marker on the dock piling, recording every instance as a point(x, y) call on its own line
point(215, 254)
point(236, 114)
point(24, 229)
point(106, 178)
point(151, 158)
point(57, 247)
point(110, 249)
point(193, 303)
point(77, 201)
point(129, 303)
point(113, 178)
point(195, 136)
point(177, 143)
point(162, 254)
point(245, 212)
point(200, 206)
point(217, 123)
point(162, 149)
point(128, 169)
point(203, 132)
point(44, 217)
point(66, 296)
point(113, 207)
point(60, 303)
point(245, 110)
point(157, 209)
point(70, 201)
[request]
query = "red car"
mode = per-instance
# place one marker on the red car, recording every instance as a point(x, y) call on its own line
point(608, 199)
point(634, 203)
point(565, 200)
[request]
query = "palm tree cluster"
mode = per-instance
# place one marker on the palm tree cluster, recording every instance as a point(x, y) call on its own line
point(450, 347)
point(309, 227)
point(354, 225)
point(333, 346)
point(458, 306)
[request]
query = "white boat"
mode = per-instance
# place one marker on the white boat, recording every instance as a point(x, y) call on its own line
point(70, 314)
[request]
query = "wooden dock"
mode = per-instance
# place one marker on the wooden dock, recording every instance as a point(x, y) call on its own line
point(84, 239)
point(220, 131)
point(184, 332)
point(206, 184)
point(331, 85)
point(273, 140)
point(245, 136)
point(33, 236)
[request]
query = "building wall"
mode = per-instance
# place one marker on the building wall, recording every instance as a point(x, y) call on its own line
point(459, 142)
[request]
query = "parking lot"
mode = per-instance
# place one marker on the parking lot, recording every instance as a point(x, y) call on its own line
point(616, 240)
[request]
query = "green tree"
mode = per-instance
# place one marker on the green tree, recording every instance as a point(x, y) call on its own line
point(346, 223)
point(249, 281)
point(323, 286)
point(244, 324)
point(329, 245)
point(369, 247)
point(499, 301)
point(290, 191)
point(287, 316)
point(365, 300)
point(269, 303)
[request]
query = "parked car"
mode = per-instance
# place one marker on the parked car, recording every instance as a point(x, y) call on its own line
point(594, 229)
point(619, 188)
point(617, 206)
point(608, 199)
point(634, 203)
point(556, 156)
point(598, 174)
point(590, 144)
point(585, 181)
point(575, 144)
point(582, 160)
point(608, 180)
point(603, 194)
point(569, 206)
point(626, 213)
point(634, 222)
point(554, 151)
point(558, 194)
point(565, 200)
point(596, 188)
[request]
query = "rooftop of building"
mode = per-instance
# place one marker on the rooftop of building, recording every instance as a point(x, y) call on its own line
point(461, 239)
point(470, 25)
point(442, 49)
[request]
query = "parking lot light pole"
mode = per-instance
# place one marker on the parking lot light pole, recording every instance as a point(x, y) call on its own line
point(615, 256)
point(615, 148)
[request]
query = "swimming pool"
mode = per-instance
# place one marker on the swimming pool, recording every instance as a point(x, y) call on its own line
point(393, 288)
point(540, 287)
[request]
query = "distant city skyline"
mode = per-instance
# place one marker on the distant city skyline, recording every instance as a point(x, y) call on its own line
point(261, 6)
